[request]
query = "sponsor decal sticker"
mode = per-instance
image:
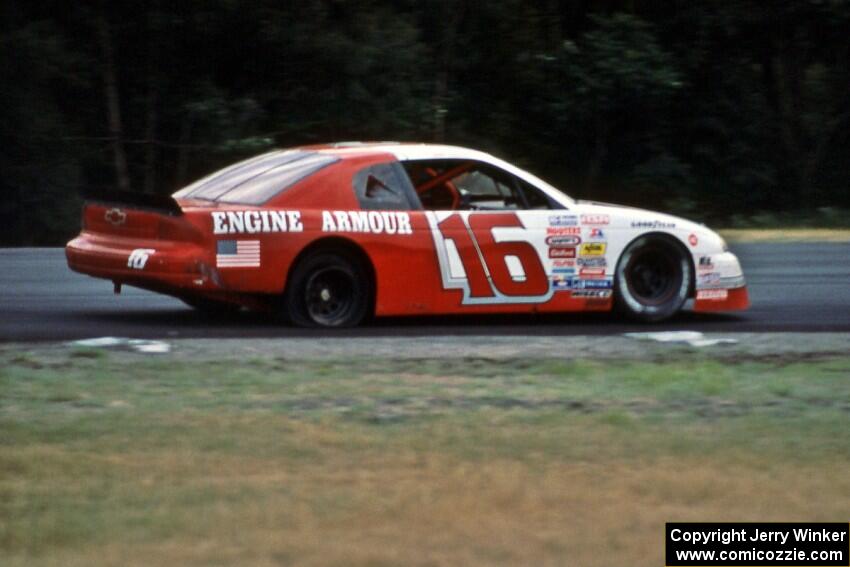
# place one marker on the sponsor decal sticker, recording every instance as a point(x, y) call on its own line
point(115, 217)
point(595, 219)
point(562, 282)
point(599, 262)
point(374, 222)
point(562, 252)
point(705, 263)
point(571, 282)
point(592, 293)
point(712, 294)
point(568, 263)
point(653, 224)
point(252, 222)
point(237, 254)
point(593, 249)
point(693, 240)
point(564, 271)
point(596, 234)
point(563, 220)
point(561, 230)
point(564, 240)
point(139, 258)
point(592, 273)
point(711, 278)
point(597, 284)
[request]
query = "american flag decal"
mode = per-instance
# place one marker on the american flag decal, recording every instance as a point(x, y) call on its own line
point(238, 254)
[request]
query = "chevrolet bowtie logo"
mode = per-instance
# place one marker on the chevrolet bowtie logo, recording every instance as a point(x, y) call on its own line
point(115, 217)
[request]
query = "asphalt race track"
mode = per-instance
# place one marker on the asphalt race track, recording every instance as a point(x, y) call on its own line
point(793, 287)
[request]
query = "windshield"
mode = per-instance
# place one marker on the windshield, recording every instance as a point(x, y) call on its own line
point(256, 180)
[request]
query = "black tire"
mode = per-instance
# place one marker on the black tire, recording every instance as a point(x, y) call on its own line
point(327, 289)
point(211, 307)
point(652, 279)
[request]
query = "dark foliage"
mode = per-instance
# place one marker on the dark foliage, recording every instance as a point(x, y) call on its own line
point(707, 109)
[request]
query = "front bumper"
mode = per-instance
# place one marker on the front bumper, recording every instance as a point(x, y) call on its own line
point(720, 284)
point(722, 299)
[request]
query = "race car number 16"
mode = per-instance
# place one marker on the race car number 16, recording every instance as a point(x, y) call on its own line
point(482, 256)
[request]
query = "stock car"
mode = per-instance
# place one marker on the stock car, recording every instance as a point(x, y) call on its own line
point(330, 235)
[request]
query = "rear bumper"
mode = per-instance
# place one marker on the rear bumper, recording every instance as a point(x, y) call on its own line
point(170, 267)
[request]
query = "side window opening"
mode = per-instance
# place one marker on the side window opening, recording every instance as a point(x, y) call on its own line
point(373, 185)
point(486, 188)
point(452, 184)
point(535, 198)
point(384, 187)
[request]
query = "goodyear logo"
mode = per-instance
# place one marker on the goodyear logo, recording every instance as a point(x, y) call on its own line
point(593, 249)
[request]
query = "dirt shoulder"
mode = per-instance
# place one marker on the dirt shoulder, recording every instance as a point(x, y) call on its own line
point(786, 234)
point(734, 346)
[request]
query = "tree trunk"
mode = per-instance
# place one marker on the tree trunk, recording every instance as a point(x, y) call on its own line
point(184, 149)
point(600, 151)
point(150, 106)
point(441, 84)
point(554, 33)
point(818, 154)
point(113, 109)
point(440, 111)
point(782, 63)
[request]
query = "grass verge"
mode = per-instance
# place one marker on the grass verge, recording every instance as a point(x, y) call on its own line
point(786, 234)
point(416, 462)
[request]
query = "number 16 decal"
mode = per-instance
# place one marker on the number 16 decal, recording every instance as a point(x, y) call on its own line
point(477, 261)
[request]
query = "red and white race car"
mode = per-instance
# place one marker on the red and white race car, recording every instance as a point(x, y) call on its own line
point(329, 235)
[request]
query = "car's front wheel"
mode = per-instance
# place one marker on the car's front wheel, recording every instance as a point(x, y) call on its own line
point(652, 280)
point(327, 289)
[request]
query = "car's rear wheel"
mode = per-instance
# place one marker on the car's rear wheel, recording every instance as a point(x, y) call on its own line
point(327, 289)
point(652, 280)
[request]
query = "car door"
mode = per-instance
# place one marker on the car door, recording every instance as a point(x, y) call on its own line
point(490, 232)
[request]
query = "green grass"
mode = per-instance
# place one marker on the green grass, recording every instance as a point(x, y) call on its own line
point(126, 460)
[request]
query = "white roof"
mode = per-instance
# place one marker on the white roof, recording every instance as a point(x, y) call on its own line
point(404, 152)
point(408, 151)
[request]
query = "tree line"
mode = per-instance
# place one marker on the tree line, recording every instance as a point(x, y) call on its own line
point(708, 109)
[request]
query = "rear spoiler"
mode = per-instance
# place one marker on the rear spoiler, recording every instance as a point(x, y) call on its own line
point(164, 204)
